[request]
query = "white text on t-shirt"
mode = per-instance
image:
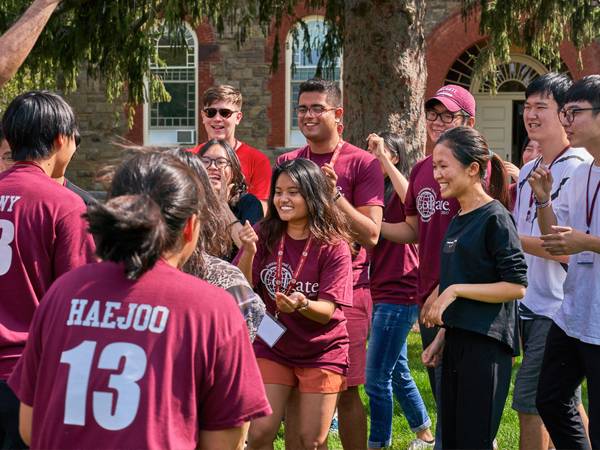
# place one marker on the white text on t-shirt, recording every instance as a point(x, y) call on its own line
point(100, 314)
point(8, 200)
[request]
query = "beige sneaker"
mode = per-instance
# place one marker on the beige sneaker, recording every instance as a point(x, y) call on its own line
point(420, 444)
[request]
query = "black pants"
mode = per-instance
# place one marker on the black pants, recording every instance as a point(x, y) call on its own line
point(476, 374)
point(9, 419)
point(567, 361)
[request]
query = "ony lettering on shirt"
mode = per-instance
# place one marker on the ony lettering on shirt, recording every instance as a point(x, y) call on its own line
point(267, 276)
point(428, 204)
point(100, 314)
point(8, 201)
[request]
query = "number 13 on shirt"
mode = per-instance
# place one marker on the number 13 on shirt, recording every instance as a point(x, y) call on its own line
point(127, 399)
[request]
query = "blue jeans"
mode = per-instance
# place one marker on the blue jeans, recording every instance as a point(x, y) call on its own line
point(388, 373)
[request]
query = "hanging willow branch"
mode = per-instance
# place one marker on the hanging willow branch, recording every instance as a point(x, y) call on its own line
point(116, 39)
point(537, 26)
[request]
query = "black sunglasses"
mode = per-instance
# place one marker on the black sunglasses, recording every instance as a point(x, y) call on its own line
point(225, 113)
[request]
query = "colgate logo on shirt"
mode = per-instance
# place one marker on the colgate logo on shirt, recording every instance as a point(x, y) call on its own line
point(267, 276)
point(428, 204)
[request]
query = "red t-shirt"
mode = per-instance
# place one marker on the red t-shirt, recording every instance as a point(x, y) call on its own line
point(394, 267)
point(116, 363)
point(434, 214)
point(256, 168)
point(42, 236)
point(327, 274)
point(361, 183)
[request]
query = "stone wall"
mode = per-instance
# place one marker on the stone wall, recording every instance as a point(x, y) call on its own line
point(100, 123)
point(247, 68)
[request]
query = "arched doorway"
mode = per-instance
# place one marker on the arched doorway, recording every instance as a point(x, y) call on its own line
point(499, 116)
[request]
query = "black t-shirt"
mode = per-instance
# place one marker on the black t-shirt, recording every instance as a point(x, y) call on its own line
point(248, 208)
point(483, 246)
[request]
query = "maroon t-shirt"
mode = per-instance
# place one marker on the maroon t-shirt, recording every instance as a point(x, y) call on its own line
point(42, 236)
point(255, 167)
point(116, 363)
point(434, 214)
point(360, 181)
point(394, 267)
point(327, 274)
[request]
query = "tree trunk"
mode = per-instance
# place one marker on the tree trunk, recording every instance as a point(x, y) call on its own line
point(384, 71)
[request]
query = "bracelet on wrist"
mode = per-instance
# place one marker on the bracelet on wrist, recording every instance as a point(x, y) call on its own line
point(541, 205)
point(233, 223)
point(337, 196)
point(304, 306)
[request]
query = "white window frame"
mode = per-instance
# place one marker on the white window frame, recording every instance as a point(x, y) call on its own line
point(146, 108)
point(293, 137)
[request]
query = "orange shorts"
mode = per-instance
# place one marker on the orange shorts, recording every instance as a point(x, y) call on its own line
point(308, 379)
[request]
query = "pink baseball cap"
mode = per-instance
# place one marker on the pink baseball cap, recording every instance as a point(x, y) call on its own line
point(454, 98)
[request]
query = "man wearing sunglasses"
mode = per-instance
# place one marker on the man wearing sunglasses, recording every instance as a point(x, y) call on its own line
point(221, 113)
point(427, 218)
point(42, 233)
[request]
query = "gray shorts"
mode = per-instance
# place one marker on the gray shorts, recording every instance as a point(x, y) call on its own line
point(533, 338)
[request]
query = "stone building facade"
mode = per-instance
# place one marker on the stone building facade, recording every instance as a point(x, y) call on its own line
point(267, 124)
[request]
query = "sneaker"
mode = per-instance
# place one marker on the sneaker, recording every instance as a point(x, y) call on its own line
point(334, 427)
point(495, 444)
point(418, 444)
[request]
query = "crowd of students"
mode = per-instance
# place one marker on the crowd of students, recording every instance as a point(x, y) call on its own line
point(210, 298)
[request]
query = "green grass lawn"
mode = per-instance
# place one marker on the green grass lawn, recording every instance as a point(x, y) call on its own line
point(508, 436)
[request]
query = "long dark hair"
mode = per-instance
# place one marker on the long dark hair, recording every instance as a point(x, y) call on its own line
point(237, 177)
point(395, 144)
point(151, 197)
point(215, 239)
point(469, 146)
point(325, 222)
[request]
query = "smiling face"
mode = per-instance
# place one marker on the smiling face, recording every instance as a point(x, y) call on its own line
point(584, 130)
point(540, 115)
point(219, 127)
point(217, 153)
point(452, 176)
point(531, 151)
point(436, 127)
point(318, 127)
point(288, 201)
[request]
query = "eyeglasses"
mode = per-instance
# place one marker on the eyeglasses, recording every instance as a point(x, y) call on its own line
point(315, 110)
point(225, 113)
point(220, 163)
point(568, 115)
point(445, 117)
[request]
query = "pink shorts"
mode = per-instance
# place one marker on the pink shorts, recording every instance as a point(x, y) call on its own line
point(358, 322)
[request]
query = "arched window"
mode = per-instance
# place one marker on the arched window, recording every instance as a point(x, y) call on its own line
point(305, 66)
point(174, 122)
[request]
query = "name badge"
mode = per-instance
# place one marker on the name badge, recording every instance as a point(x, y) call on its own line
point(450, 245)
point(585, 258)
point(270, 330)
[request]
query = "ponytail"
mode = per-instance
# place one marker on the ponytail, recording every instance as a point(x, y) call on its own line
point(129, 229)
point(498, 184)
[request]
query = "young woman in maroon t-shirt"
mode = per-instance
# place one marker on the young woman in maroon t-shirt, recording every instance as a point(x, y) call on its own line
point(299, 261)
point(131, 352)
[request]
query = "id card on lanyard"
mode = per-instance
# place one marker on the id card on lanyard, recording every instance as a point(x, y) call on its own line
point(270, 329)
point(587, 257)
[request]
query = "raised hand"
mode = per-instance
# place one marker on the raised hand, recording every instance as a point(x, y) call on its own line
point(248, 238)
point(540, 181)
